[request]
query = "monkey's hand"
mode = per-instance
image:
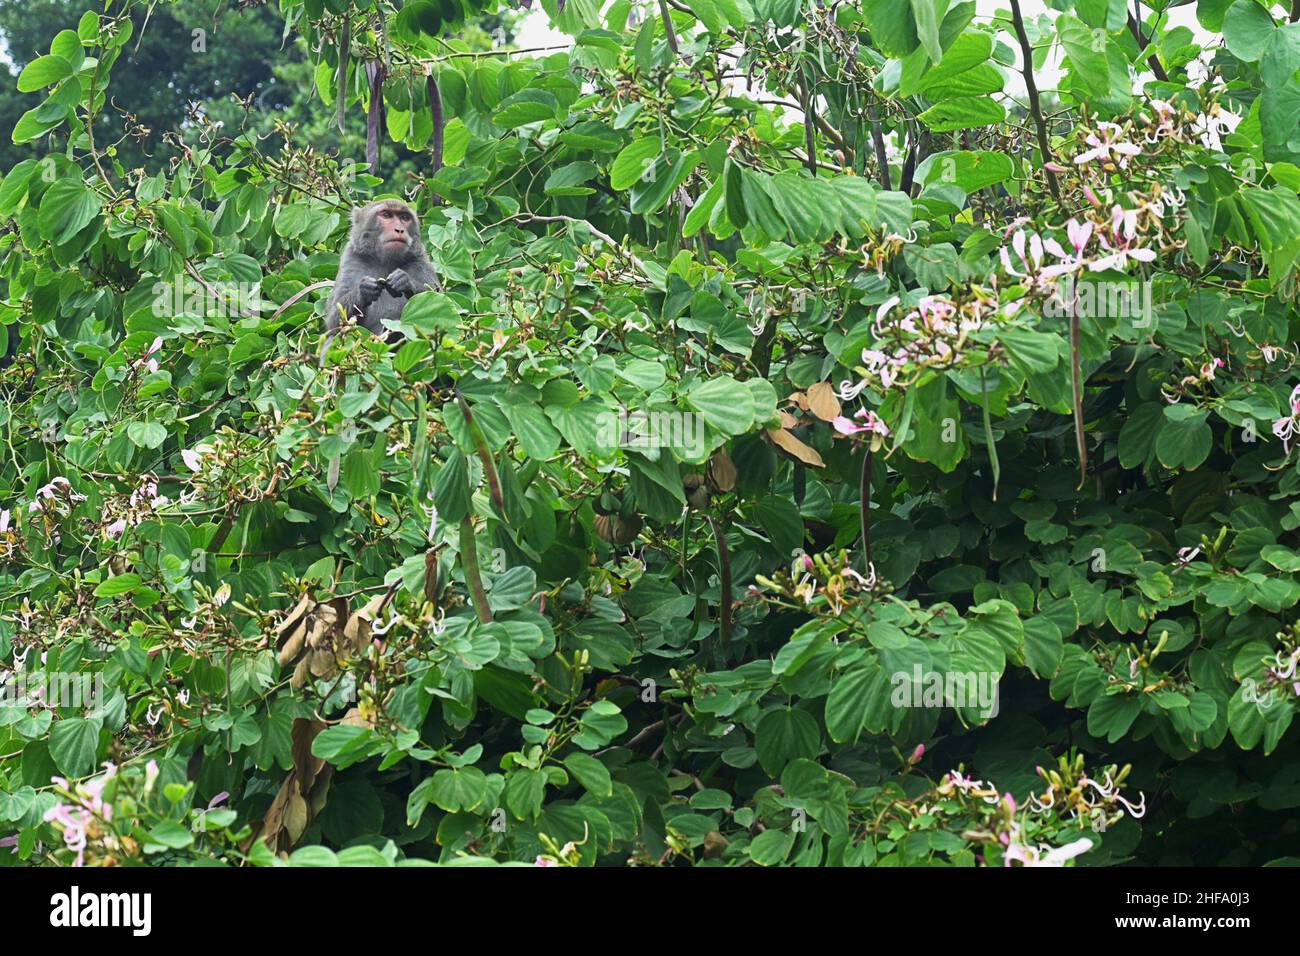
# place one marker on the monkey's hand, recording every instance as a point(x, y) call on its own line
point(399, 283)
point(368, 290)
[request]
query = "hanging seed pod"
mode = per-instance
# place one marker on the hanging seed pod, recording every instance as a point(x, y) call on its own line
point(617, 529)
point(697, 493)
point(345, 55)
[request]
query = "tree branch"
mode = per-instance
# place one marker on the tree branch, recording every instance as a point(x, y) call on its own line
point(1031, 88)
point(1152, 60)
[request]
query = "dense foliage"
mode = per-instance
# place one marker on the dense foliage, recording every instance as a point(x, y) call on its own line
point(830, 446)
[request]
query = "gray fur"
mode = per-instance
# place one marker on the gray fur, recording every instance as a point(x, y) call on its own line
point(369, 276)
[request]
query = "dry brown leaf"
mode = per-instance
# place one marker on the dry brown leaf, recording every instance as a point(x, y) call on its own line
point(322, 662)
point(798, 398)
point(355, 718)
point(294, 645)
point(823, 402)
point(302, 793)
point(357, 631)
point(788, 420)
point(722, 471)
point(297, 614)
point(305, 765)
point(296, 818)
point(793, 446)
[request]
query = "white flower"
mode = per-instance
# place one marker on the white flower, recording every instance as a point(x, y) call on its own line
point(193, 457)
point(1062, 854)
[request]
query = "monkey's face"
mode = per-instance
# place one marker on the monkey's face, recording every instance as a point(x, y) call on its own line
point(394, 228)
point(389, 231)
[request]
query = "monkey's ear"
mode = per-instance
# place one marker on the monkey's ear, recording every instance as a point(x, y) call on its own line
point(358, 213)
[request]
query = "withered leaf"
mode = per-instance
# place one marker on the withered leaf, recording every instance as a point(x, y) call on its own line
point(793, 446)
point(823, 402)
point(294, 645)
point(722, 471)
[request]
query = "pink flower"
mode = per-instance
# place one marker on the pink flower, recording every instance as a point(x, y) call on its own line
point(917, 754)
point(115, 529)
point(147, 360)
point(545, 861)
point(1108, 146)
point(1120, 253)
point(1285, 427)
point(873, 425)
point(1079, 234)
point(1031, 262)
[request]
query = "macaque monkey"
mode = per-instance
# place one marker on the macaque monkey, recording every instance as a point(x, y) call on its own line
point(383, 265)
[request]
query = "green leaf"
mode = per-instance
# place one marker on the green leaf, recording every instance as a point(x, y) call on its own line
point(1085, 50)
point(459, 789)
point(927, 14)
point(451, 491)
point(1247, 29)
point(591, 773)
point(525, 791)
point(568, 180)
point(42, 72)
point(965, 112)
point(1274, 214)
point(969, 171)
point(852, 696)
point(1137, 436)
point(771, 847)
point(635, 160)
point(1111, 715)
point(119, 584)
point(1043, 646)
point(146, 434)
point(725, 404)
point(1281, 557)
point(967, 51)
point(1032, 351)
point(171, 835)
point(66, 208)
point(784, 735)
point(892, 26)
point(1185, 438)
point(74, 744)
point(524, 107)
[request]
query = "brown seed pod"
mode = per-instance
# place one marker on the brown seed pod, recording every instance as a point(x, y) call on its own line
point(697, 493)
point(616, 529)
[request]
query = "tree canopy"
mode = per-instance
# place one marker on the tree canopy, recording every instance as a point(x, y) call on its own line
point(848, 433)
